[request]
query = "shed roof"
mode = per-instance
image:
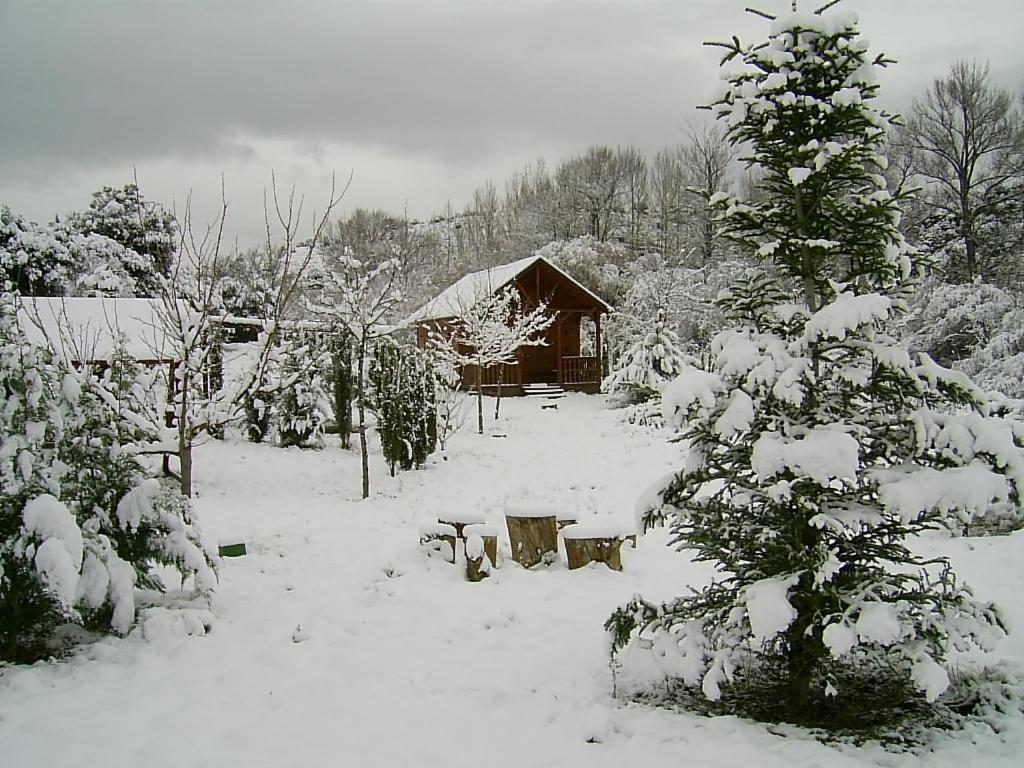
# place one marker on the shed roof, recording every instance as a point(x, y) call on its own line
point(471, 288)
point(87, 329)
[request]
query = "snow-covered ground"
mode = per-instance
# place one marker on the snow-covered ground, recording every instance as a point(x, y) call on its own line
point(337, 642)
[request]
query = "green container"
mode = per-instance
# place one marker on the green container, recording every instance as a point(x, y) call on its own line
point(231, 550)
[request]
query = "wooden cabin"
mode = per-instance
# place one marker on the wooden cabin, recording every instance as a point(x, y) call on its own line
point(571, 354)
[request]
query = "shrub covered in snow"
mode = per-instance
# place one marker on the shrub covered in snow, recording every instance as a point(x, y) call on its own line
point(80, 524)
point(652, 362)
point(403, 398)
point(817, 445)
point(302, 407)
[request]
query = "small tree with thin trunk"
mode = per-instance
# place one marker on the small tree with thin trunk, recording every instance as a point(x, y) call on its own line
point(359, 298)
point(190, 307)
point(817, 447)
point(489, 332)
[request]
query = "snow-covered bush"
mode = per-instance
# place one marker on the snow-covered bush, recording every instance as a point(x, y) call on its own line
point(80, 523)
point(950, 322)
point(652, 362)
point(977, 328)
point(817, 446)
point(302, 406)
point(402, 384)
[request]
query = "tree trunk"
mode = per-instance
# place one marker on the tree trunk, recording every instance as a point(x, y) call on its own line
point(364, 453)
point(480, 397)
point(967, 231)
point(497, 402)
point(184, 438)
point(185, 466)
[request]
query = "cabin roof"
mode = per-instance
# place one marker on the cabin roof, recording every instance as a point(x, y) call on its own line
point(471, 288)
point(86, 330)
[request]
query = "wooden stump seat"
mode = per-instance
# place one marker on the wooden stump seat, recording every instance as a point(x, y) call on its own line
point(459, 520)
point(489, 535)
point(478, 563)
point(593, 543)
point(437, 537)
point(532, 535)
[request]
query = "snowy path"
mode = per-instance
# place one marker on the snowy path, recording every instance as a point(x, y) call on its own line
point(400, 662)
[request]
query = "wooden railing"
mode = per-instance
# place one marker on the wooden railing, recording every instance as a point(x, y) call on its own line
point(579, 370)
point(509, 375)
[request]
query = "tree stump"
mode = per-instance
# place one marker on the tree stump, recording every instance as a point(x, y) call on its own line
point(532, 534)
point(460, 520)
point(489, 534)
point(586, 544)
point(439, 538)
point(478, 564)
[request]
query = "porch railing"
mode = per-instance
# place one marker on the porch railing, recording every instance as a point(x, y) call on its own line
point(509, 375)
point(579, 370)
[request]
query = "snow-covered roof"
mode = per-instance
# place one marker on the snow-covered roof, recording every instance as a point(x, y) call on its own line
point(471, 288)
point(87, 329)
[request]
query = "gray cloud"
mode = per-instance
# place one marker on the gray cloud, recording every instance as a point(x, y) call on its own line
point(461, 84)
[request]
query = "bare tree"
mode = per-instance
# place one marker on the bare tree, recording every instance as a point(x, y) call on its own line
point(361, 296)
point(190, 306)
point(707, 159)
point(668, 192)
point(968, 142)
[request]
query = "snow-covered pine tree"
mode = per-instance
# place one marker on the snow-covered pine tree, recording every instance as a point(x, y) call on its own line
point(654, 360)
point(342, 381)
point(80, 523)
point(402, 383)
point(302, 405)
point(817, 448)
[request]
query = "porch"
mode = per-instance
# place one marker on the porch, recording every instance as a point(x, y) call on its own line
point(576, 373)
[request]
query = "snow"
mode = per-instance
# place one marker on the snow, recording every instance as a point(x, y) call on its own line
point(454, 300)
point(593, 530)
point(969, 490)
point(798, 176)
point(878, 623)
point(58, 556)
point(768, 608)
point(839, 639)
point(336, 640)
point(88, 329)
point(737, 416)
point(846, 313)
point(691, 386)
point(823, 454)
point(530, 512)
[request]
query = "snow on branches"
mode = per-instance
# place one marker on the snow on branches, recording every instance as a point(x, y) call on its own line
point(817, 447)
point(488, 332)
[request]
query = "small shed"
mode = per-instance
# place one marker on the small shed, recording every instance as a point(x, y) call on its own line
point(86, 330)
point(571, 354)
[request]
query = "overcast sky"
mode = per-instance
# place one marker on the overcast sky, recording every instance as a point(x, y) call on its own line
point(421, 100)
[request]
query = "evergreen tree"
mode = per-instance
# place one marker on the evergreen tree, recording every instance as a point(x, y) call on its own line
point(146, 229)
point(653, 361)
point(301, 408)
point(403, 399)
point(343, 385)
point(816, 446)
point(80, 523)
